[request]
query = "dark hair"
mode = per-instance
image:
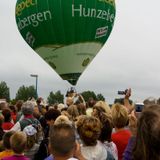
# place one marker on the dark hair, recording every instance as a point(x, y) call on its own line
point(91, 102)
point(12, 108)
point(7, 115)
point(148, 135)
point(62, 139)
point(6, 139)
point(52, 114)
point(39, 100)
point(64, 109)
point(81, 109)
point(99, 110)
point(107, 126)
point(19, 105)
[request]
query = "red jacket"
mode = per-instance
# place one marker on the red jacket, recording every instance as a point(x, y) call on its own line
point(7, 125)
point(121, 138)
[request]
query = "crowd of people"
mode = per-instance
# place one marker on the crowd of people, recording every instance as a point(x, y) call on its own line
point(79, 130)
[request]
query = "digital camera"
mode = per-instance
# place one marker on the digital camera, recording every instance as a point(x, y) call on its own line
point(122, 92)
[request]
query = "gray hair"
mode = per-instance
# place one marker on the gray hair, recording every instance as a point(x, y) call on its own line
point(27, 108)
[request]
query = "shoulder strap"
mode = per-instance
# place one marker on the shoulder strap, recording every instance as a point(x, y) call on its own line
point(25, 122)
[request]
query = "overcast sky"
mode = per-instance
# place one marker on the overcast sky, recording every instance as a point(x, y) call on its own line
point(130, 57)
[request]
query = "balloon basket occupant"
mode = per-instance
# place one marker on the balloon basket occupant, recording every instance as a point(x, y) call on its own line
point(73, 98)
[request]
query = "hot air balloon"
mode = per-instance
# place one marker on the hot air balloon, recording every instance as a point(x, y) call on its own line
point(67, 34)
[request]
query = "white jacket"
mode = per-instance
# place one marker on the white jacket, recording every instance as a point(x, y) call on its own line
point(97, 152)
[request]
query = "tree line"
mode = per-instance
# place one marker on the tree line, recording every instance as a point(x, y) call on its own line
point(26, 92)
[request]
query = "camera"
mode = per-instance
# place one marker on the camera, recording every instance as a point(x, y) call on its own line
point(139, 107)
point(122, 92)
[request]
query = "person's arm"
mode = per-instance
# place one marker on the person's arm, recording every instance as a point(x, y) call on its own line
point(77, 152)
point(126, 101)
point(127, 155)
point(133, 123)
point(82, 99)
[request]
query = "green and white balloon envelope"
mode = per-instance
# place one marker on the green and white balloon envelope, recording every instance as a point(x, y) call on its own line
point(67, 34)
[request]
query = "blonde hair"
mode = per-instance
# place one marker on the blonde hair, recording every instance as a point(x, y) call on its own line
point(104, 105)
point(18, 142)
point(119, 115)
point(89, 129)
point(73, 112)
point(62, 120)
point(69, 101)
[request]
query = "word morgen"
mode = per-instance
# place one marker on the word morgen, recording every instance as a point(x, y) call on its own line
point(92, 12)
point(23, 5)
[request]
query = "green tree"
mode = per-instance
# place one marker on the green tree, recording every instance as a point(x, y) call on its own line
point(87, 94)
point(13, 101)
point(100, 97)
point(121, 101)
point(55, 97)
point(24, 93)
point(4, 91)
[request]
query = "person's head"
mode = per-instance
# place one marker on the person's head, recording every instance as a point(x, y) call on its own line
point(89, 129)
point(51, 116)
point(73, 111)
point(158, 101)
point(6, 139)
point(107, 126)
point(3, 105)
point(119, 115)
point(31, 132)
point(27, 108)
point(148, 132)
point(36, 112)
point(62, 140)
point(69, 101)
point(65, 113)
point(97, 110)
point(12, 108)
point(19, 105)
point(60, 106)
point(18, 142)
point(62, 119)
point(81, 109)
point(150, 101)
point(43, 110)
point(91, 102)
point(104, 105)
point(39, 100)
point(7, 115)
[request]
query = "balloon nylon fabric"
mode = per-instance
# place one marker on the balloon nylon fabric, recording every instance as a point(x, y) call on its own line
point(67, 34)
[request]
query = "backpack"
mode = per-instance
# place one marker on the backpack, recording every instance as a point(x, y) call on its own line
point(43, 151)
point(36, 124)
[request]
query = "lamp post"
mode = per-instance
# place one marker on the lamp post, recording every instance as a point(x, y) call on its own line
point(35, 76)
